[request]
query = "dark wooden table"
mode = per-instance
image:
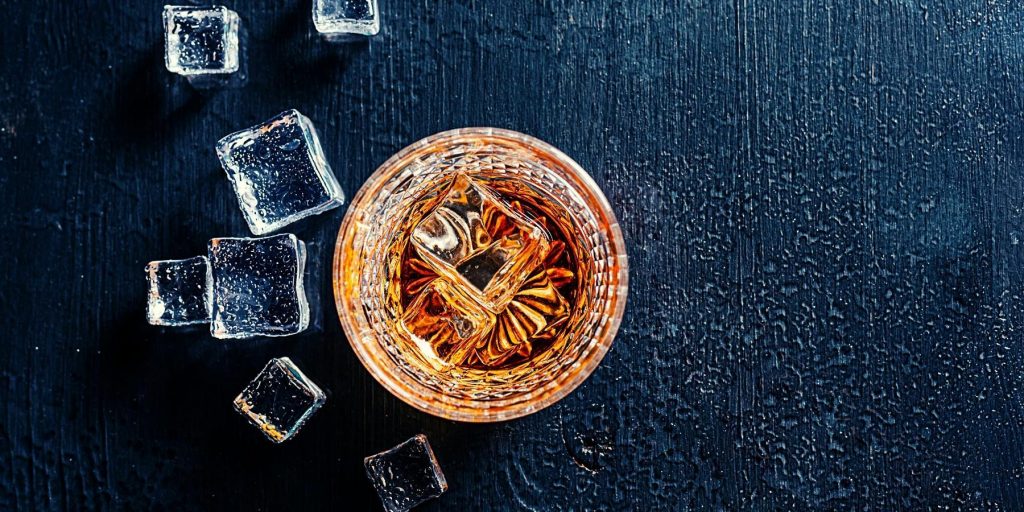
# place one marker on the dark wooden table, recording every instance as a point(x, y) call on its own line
point(823, 204)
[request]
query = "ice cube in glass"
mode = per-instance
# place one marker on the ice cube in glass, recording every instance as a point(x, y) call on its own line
point(406, 475)
point(445, 323)
point(279, 400)
point(279, 173)
point(479, 241)
point(179, 292)
point(258, 286)
point(339, 18)
point(200, 40)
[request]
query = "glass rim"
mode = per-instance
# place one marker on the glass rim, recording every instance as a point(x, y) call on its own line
point(434, 402)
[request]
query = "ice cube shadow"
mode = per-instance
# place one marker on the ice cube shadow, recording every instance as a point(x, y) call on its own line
point(317, 66)
point(151, 101)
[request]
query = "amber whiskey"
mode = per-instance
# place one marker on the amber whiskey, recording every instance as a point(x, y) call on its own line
point(488, 276)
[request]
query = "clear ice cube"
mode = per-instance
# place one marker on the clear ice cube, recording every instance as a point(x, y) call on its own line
point(406, 475)
point(179, 291)
point(279, 172)
point(334, 18)
point(200, 40)
point(257, 286)
point(476, 239)
point(279, 400)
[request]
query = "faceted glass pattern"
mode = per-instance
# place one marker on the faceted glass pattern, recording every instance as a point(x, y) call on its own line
point(179, 291)
point(406, 475)
point(279, 400)
point(341, 17)
point(258, 286)
point(279, 173)
point(200, 40)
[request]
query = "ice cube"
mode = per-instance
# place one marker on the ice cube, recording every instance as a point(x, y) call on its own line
point(257, 286)
point(179, 291)
point(477, 240)
point(445, 323)
point(483, 267)
point(279, 400)
point(455, 228)
point(406, 475)
point(279, 172)
point(334, 18)
point(200, 40)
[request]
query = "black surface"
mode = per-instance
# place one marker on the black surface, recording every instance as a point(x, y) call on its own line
point(822, 203)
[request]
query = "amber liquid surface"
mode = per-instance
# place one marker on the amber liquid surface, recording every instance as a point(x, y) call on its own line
point(488, 276)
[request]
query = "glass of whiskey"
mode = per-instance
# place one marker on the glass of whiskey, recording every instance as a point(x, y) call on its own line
point(480, 275)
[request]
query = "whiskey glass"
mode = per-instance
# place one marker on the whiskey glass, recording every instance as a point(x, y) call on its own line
point(480, 275)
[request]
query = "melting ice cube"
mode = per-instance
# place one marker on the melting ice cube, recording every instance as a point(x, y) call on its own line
point(406, 475)
point(339, 18)
point(258, 286)
point(279, 400)
point(200, 40)
point(179, 291)
point(279, 172)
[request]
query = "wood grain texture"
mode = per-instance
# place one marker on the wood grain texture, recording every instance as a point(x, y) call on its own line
point(823, 204)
